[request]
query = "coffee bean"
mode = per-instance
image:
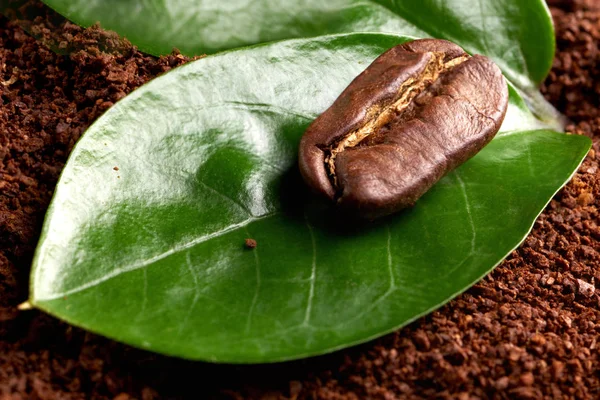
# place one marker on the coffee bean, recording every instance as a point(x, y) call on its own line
point(417, 112)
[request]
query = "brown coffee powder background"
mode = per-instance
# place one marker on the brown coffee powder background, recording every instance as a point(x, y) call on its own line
point(530, 330)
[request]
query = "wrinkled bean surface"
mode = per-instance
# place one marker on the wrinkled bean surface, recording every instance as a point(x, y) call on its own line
point(417, 112)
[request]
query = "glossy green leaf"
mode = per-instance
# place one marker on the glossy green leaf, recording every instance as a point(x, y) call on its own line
point(501, 29)
point(153, 254)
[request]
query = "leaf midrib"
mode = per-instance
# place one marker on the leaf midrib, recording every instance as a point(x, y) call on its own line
point(149, 261)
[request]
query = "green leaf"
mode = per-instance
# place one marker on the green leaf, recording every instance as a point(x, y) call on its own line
point(152, 254)
point(517, 34)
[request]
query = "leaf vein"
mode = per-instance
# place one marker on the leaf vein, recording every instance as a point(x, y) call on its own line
point(313, 275)
point(257, 290)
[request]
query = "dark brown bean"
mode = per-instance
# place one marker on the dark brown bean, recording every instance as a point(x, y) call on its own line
point(417, 112)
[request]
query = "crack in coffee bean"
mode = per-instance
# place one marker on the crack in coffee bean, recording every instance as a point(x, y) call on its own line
point(384, 114)
point(417, 112)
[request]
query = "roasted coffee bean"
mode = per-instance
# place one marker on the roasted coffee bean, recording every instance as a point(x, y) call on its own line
point(417, 112)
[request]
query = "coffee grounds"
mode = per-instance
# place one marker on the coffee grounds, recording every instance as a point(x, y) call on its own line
point(530, 330)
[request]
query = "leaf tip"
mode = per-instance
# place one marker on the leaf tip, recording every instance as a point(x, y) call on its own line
point(25, 306)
